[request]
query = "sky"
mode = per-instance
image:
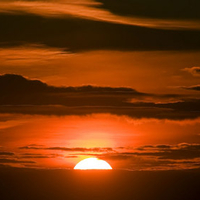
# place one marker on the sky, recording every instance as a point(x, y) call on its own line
point(111, 79)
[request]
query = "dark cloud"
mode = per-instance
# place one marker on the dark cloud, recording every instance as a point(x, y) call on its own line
point(197, 69)
point(150, 157)
point(164, 152)
point(13, 161)
point(96, 149)
point(147, 157)
point(195, 87)
point(134, 111)
point(16, 90)
point(77, 35)
point(20, 95)
point(158, 157)
point(4, 153)
point(116, 156)
point(13, 83)
point(155, 9)
point(146, 147)
point(76, 149)
point(37, 156)
point(163, 146)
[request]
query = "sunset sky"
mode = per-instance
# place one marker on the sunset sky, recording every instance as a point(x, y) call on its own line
point(118, 80)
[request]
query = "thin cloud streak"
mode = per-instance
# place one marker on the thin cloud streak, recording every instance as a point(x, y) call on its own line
point(88, 11)
point(30, 54)
point(194, 87)
point(75, 149)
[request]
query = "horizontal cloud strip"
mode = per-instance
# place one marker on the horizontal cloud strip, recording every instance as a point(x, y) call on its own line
point(74, 34)
point(92, 10)
point(183, 151)
point(194, 87)
point(4, 153)
point(149, 157)
point(13, 161)
point(76, 149)
point(20, 95)
point(12, 83)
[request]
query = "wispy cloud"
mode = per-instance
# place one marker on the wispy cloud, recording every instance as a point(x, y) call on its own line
point(75, 149)
point(30, 55)
point(158, 157)
point(14, 161)
point(195, 71)
point(89, 10)
point(193, 87)
point(147, 157)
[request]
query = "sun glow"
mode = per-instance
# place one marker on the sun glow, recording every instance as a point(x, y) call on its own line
point(92, 163)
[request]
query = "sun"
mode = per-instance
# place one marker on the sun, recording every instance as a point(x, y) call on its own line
point(93, 163)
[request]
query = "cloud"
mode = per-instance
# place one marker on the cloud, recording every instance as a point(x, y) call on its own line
point(194, 87)
point(35, 97)
point(76, 149)
point(30, 54)
point(153, 157)
point(132, 112)
point(33, 155)
point(153, 9)
point(14, 161)
point(195, 71)
point(92, 10)
point(12, 83)
point(4, 153)
point(147, 157)
point(95, 35)
point(172, 152)
point(158, 157)
point(35, 92)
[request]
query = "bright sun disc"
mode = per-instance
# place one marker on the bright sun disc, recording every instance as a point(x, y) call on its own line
point(92, 163)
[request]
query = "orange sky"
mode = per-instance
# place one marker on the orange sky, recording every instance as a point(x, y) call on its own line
point(122, 134)
point(159, 72)
point(115, 80)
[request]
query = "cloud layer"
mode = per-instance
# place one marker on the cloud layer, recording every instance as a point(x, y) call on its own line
point(21, 95)
point(91, 35)
point(127, 14)
point(149, 157)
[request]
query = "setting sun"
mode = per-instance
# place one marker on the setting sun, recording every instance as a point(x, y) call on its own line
point(92, 163)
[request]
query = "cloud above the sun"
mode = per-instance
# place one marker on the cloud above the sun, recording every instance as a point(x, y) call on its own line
point(36, 97)
point(195, 71)
point(91, 10)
